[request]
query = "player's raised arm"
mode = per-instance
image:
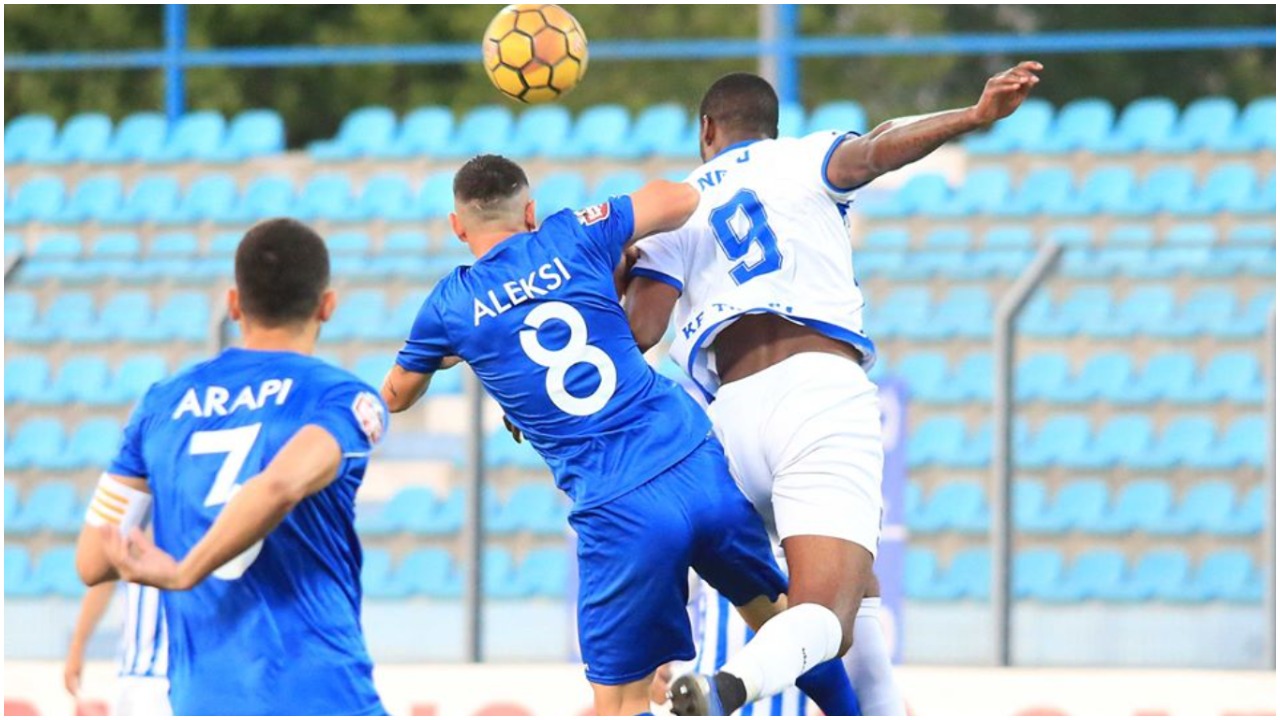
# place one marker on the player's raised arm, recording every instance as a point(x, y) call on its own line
point(662, 205)
point(902, 141)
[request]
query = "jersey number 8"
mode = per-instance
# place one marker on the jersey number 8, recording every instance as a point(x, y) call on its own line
point(558, 362)
point(736, 241)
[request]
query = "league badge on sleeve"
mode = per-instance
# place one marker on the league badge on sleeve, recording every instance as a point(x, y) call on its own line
point(593, 214)
point(368, 411)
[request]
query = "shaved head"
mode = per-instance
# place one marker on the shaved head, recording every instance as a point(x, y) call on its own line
point(490, 189)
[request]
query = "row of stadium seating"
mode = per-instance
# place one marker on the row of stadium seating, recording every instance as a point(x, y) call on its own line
point(1110, 377)
point(392, 196)
point(326, 196)
point(73, 317)
point(1150, 124)
point(428, 572)
point(1023, 237)
point(57, 506)
point(1103, 575)
point(1091, 507)
point(203, 136)
point(1053, 191)
point(1072, 441)
point(1066, 440)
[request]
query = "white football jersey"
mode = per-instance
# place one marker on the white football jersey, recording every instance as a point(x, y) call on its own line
point(770, 235)
point(144, 643)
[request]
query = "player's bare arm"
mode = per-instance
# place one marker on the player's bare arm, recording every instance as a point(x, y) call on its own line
point(649, 304)
point(662, 205)
point(303, 467)
point(902, 141)
point(402, 389)
point(92, 608)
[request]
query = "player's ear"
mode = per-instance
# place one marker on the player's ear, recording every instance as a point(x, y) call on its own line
point(456, 224)
point(233, 305)
point(706, 136)
point(531, 215)
point(328, 303)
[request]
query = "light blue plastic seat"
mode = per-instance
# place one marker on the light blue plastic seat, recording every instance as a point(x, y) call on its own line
point(50, 507)
point(1131, 235)
point(1243, 444)
point(970, 380)
point(920, 575)
point(25, 377)
point(1253, 235)
point(964, 312)
point(1102, 377)
point(385, 195)
point(486, 128)
point(1186, 440)
point(55, 574)
point(599, 131)
point(252, 133)
point(1009, 237)
point(1206, 121)
point(887, 238)
point(1080, 125)
point(969, 574)
point(621, 182)
point(84, 138)
point(1224, 575)
point(35, 444)
point(919, 195)
point(38, 199)
point(424, 132)
point(1156, 574)
point(433, 200)
point(791, 119)
point(1020, 131)
point(266, 196)
point(1233, 376)
point(545, 572)
point(1121, 441)
point(376, 577)
point(13, 245)
point(1163, 190)
point(935, 441)
point(28, 138)
point(1255, 130)
point(185, 316)
point(405, 242)
point(139, 138)
point(1094, 575)
point(134, 376)
point(81, 379)
point(983, 191)
point(326, 196)
point(366, 131)
point(349, 242)
point(1140, 505)
point(1246, 518)
point(94, 443)
point(661, 130)
point(430, 572)
point(58, 246)
point(500, 576)
point(1204, 508)
point(17, 570)
point(1105, 190)
point(93, 198)
point(210, 197)
point(117, 245)
point(1209, 310)
point(1042, 318)
point(911, 308)
point(841, 115)
point(73, 317)
point(21, 317)
point(409, 510)
point(1191, 234)
point(1144, 124)
point(1061, 440)
point(196, 136)
point(925, 374)
point(1040, 189)
point(356, 315)
point(1262, 202)
point(949, 238)
point(152, 197)
point(1036, 573)
point(1078, 505)
point(560, 190)
point(956, 506)
point(539, 132)
point(1227, 185)
point(1149, 309)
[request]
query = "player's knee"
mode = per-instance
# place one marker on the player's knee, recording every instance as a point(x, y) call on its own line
point(846, 636)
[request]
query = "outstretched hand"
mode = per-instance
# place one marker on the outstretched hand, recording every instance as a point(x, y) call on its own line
point(138, 560)
point(1005, 91)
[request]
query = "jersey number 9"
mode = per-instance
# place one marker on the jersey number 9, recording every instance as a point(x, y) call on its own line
point(736, 240)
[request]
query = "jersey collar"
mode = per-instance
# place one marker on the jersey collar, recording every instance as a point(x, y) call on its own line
point(736, 146)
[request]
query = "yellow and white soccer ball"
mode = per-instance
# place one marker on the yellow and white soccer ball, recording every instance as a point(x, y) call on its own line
point(535, 53)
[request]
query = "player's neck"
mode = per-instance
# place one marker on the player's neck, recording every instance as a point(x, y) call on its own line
point(481, 243)
point(282, 339)
point(728, 142)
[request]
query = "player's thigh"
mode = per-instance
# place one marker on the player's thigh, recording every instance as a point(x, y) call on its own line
point(738, 416)
point(732, 552)
point(630, 698)
point(633, 562)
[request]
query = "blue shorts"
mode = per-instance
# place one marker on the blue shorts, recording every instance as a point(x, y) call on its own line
point(634, 555)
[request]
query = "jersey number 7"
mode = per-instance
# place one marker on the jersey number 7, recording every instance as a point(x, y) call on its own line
point(739, 224)
point(236, 444)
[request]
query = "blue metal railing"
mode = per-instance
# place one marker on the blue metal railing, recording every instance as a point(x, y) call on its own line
point(787, 49)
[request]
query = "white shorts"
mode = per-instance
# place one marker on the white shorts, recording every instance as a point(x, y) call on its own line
point(141, 695)
point(803, 440)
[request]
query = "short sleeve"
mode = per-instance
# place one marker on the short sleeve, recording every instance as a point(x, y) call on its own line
point(354, 415)
point(819, 147)
point(662, 259)
point(129, 460)
point(609, 226)
point(428, 342)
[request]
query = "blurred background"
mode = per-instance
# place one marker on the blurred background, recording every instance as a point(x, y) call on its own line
point(1075, 315)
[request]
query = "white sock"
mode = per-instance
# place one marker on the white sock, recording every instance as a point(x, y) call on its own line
point(785, 648)
point(869, 666)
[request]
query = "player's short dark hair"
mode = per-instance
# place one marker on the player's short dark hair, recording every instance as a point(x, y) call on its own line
point(488, 180)
point(282, 272)
point(742, 102)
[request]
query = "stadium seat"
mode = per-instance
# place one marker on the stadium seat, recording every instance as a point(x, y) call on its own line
point(1077, 505)
point(1262, 202)
point(1156, 574)
point(21, 318)
point(1227, 185)
point(84, 138)
point(134, 376)
point(376, 576)
point(1252, 235)
point(17, 566)
point(969, 575)
point(252, 133)
point(210, 197)
point(409, 242)
point(486, 128)
point(983, 191)
point(1040, 189)
point(1036, 573)
point(197, 136)
point(1243, 444)
point(1247, 517)
point(1106, 189)
point(560, 190)
point(1009, 237)
point(1140, 505)
point(266, 196)
point(25, 378)
point(790, 119)
point(1094, 574)
point(1185, 441)
point(1102, 377)
point(1144, 124)
point(841, 115)
point(1204, 122)
point(94, 444)
point(139, 137)
point(35, 444)
point(622, 182)
point(501, 578)
point(58, 246)
point(1255, 130)
point(660, 130)
point(926, 374)
point(13, 246)
point(1020, 131)
point(430, 572)
point(326, 196)
point(81, 379)
point(1044, 377)
point(433, 200)
point(1086, 304)
point(39, 199)
point(1080, 125)
point(539, 132)
point(955, 506)
point(28, 138)
point(1062, 440)
point(920, 575)
point(51, 507)
point(1204, 508)
point(545, 572)
point(1231, 377)
point(55, 573)
point(393, 516)
point(599, 131)
point(364, 132)
point(1162, 190)
point(1132, 235)
point(152, 197)
point(94, 197)
point(1226, 575)
point(424, 132)
point(918, 195)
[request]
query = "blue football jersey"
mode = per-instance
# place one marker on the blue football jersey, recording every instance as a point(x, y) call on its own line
point(539, 322)
point(277, 629)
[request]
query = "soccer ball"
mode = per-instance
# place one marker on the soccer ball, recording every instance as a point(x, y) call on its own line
point(535, 53)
